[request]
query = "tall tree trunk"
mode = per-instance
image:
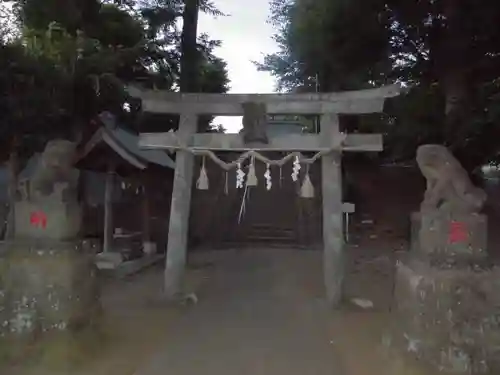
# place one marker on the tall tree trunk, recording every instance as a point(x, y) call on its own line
point(190, 59)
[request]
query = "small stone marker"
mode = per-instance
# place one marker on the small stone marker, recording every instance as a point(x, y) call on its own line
point(446, 290)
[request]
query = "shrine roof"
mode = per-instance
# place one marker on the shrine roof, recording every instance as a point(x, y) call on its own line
point(126, 145)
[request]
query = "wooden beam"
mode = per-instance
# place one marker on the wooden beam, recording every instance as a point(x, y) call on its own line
point(288, 142)
point(175, 262)
point(333, 236)
point(349, 102)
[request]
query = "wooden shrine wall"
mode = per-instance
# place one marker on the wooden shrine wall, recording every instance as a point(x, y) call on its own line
point(128, 209)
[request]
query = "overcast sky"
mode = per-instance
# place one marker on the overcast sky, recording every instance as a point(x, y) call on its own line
point(246, 37)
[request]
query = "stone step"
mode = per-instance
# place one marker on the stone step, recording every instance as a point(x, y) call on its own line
point(272, 245)
point(270, 228)
point(265, 233)
point(270, 233)
point(269, 238)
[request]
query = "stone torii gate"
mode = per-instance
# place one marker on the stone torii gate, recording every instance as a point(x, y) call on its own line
point(328, 105)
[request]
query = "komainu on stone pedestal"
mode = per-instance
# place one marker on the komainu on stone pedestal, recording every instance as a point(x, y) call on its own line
point(446, 301)
point(449, 225)
point(47, 282)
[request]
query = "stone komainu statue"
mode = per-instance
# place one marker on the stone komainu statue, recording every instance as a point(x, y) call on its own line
point(50, 284)
point(55, 176)
point(449, 188)
point(47, 205)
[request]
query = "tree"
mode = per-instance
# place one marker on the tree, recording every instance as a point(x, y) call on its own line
point(189, 51)
point(101, 47)
point(328, 45)
point(446, 50)
point(454, 48)
point(191, 64)
point(93, 54)
point(29, 99)
point(64, 70)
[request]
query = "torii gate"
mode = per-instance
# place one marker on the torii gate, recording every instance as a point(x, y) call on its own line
point(328, 105)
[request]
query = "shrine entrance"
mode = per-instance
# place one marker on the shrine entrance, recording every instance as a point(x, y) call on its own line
point(254, 146)
point(268, 217)
point(279, 217)
point(271, 218)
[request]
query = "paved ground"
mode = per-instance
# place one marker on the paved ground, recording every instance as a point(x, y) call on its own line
point(261, 314)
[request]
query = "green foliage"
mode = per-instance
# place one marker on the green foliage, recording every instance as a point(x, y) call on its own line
point(446, 51)
point(29, 88)
point(356, 41)
point(328, 45)
point(116, 27)
point(289, 70)
point(73, 14)
point(74, 57)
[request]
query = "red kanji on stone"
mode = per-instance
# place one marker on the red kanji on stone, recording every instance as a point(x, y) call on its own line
point(38, 219)
point(458, 232)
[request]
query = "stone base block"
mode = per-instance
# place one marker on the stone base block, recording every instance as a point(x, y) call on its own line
point(108, 260)
point(52, 220)
point(455, 239)
point(46, 286)
point(448, 318)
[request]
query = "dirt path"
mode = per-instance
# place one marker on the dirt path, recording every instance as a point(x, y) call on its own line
point(262, 313)
point(259, 312)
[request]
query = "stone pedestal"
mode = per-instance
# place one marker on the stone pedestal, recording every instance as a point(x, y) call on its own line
point(46, 286)
point(448, 318)
point(48, 219)
point(447, 302)
point(449, 239)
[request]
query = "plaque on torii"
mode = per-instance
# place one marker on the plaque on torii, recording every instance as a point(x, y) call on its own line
point(329, 140)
